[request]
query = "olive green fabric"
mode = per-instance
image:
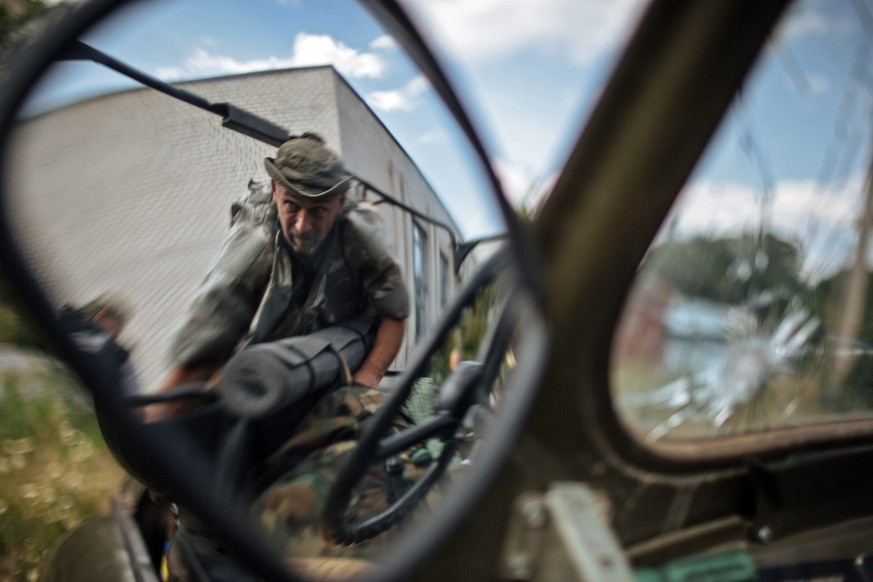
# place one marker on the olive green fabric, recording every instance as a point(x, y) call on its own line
point(253, 294)
point(290, 508)
point(250, 294)
point(305, 165)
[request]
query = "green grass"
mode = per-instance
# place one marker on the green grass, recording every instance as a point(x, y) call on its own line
point(55, 471)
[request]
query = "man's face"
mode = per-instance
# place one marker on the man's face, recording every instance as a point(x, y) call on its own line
point(305, 221)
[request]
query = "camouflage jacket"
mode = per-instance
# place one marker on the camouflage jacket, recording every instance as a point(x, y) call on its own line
point(251, 293)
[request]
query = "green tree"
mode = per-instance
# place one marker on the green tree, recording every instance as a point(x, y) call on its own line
point(468, 334)
point(729, 269)
point(855, 388)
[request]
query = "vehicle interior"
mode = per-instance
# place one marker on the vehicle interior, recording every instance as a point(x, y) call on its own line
point(666, 361)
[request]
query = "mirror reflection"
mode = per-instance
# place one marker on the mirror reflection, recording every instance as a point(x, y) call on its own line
point(751, 310)
point(183, 171)
point(265, 294)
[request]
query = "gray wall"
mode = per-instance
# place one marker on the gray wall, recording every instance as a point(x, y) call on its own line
point(129, 193)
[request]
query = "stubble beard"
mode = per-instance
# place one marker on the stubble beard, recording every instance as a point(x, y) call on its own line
point(306, 249)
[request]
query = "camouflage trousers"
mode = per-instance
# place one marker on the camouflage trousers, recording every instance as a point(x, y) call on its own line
point(289, 509)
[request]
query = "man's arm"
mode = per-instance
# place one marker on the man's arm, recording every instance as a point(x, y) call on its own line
point(226, 301)
point(388, 339)
point(369, 243)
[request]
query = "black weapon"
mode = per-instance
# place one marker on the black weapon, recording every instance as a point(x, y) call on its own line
point(264, 392)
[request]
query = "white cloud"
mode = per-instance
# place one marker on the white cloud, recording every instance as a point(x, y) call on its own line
point(817, 20)
point(523, 188)
point(819, 84)
point(201, 63)
point(515, 180)
point(418, 85)
point(820, 19)
point(384, 42)
point(321, 49)
point(389, 101)
point(403, 99)
point(490, 29)
point(822, 220)
point(434, 136)
point(808, 23)
point(725, 207)
point(308, 50)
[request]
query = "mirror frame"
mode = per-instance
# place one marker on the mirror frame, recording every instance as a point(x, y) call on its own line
point(640, 123)
point(28, 65)
point(190, 482)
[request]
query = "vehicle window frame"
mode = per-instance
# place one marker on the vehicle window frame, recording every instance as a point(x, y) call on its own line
point(735, 265)
point(650, 93)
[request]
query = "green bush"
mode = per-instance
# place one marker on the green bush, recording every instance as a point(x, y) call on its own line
point(54, 470)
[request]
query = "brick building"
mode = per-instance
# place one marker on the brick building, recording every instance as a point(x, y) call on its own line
point(129, 193)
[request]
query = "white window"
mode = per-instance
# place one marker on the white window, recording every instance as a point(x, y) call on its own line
point(419, 273)
point(444, 280)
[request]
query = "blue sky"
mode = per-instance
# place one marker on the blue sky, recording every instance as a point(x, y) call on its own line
point(529, 73)
point(527, 80)
point(794, 153)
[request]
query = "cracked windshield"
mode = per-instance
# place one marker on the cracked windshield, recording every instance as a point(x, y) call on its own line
point(753, 308)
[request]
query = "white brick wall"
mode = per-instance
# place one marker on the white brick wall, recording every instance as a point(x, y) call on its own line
point(129, 193)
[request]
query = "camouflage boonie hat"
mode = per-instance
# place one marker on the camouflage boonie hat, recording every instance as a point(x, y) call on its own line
point(307, 167)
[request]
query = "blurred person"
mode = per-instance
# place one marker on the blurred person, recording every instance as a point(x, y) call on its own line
point(96, 327)
point(300, 257)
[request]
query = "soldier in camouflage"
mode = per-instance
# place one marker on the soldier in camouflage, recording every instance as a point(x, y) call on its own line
point(299, 258)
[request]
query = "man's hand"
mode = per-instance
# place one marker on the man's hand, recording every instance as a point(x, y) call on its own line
point(368, 378)
point(166, 410)
point(178, 377)
point(388, 340)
